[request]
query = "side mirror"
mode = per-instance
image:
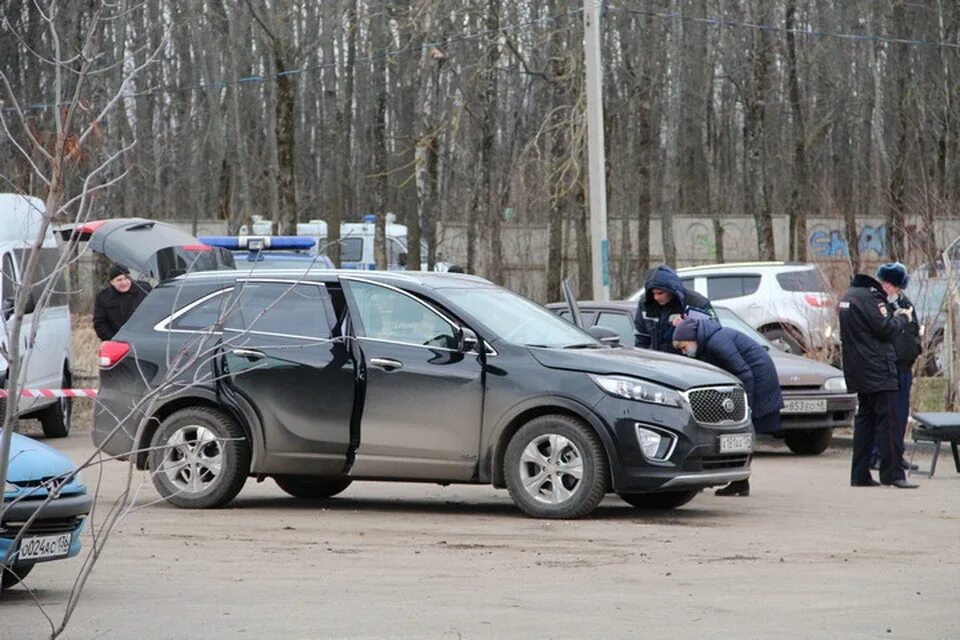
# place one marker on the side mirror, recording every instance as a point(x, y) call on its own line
point(8, 304)
point(605, 335)
point(468, 340)
point(402, 259)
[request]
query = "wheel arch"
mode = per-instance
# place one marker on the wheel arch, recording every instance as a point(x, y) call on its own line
point(245, 416)
point(524, 413)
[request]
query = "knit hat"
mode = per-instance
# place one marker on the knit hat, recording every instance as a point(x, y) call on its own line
point(117, 270)
point(893, 273)
point(686, 330)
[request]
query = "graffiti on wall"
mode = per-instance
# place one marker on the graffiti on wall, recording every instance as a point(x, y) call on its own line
point(826, 242)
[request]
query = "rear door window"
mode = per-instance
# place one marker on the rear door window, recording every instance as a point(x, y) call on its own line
point(726, 287)
point(807, 280)
point(298, 310)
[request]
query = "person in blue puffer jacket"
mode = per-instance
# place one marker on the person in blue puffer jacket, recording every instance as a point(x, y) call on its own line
point(738, 354)
point(664, 304)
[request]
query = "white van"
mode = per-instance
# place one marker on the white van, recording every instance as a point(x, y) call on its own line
point(356, 242)
point(46, 364)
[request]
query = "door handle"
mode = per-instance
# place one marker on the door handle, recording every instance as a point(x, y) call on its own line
point(387, 364)
point(249, 354)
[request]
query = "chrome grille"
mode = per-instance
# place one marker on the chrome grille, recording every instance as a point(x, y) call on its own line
point(718, 405)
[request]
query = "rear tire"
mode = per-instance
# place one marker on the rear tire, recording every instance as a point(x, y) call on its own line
point(312, 488)
point(661, 501)
point(555, 467)
point(199, 458)
point(55, 419)
point(10, 578)
point(808, 442)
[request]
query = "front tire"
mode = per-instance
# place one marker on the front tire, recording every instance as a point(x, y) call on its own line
point(312, 488)
point(55, 419)
point(12, 577)
point(808, 442)
point(555, 467)
point(199, 458)
point(661, 501)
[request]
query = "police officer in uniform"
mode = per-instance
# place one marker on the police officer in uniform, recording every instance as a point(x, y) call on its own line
point(868, 325)
point(906, 342)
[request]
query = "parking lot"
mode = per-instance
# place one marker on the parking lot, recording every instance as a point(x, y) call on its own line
point(805, 556)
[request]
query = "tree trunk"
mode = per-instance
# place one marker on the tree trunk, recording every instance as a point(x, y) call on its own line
point(754, 139)
point(798, 208)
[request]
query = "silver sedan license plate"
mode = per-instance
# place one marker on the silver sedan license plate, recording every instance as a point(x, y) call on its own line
point(817, 405)
point(42, 547)
point(736, 443)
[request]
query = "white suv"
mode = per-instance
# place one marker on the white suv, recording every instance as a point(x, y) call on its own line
point(789, 303)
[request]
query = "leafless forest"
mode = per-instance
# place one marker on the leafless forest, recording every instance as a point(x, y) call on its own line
point(471, 113)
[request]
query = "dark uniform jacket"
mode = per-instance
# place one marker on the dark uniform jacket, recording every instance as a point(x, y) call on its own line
point(112, 309)
point(906, 341)
point(654, 329)
point(867, 330)
point(740, 355)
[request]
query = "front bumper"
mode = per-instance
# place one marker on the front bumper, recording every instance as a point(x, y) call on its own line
point(63, 515)
point(695, 461)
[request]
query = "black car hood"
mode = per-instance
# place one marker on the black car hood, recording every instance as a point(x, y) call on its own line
point(678, 372)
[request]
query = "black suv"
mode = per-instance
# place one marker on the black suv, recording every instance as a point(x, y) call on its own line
point(319, 378)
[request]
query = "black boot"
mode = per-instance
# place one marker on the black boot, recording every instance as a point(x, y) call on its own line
point(738, 488)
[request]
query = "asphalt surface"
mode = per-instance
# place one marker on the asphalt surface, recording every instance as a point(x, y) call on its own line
point(805, 556)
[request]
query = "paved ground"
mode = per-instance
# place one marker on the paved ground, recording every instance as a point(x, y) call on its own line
point(806, 556)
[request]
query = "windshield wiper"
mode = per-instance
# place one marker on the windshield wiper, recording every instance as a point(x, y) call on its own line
point(585, 345)
point(537, 346)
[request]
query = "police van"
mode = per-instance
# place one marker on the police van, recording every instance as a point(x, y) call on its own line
point(45, 362)
point(356, 242)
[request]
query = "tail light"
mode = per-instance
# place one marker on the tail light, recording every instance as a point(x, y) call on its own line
point(112, 353)
point(818, 300)
point(196, 247)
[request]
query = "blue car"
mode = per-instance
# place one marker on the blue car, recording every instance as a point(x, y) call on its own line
point(37, 471)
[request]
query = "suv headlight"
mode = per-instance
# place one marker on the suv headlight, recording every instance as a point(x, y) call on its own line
point(640, 390)
point(9, 489)
point(835, 384)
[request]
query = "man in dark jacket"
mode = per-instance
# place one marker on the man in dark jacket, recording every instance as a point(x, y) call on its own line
point(117, 301)
point(867, 328)
point(906, 344)
point(664, 304)
point(704, 339)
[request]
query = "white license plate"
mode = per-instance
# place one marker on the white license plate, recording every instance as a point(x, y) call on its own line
point(40, 547)
point(805, 406)
point(736, 443)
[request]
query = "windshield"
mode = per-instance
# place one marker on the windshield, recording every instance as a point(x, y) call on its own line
point(515, 319)
point(731, 320)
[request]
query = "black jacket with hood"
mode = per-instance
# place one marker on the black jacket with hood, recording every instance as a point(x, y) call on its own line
point(652, 321)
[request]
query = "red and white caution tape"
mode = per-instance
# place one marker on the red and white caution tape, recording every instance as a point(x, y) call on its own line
point(54, 393)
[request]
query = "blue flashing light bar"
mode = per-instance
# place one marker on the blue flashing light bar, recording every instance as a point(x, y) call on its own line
point(259, 243)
